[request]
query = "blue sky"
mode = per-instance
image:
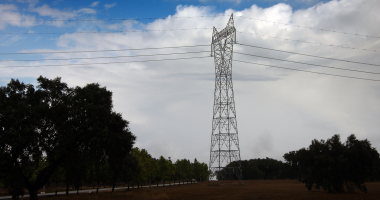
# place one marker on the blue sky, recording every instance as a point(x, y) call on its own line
point(74, 10)
point(169, 103)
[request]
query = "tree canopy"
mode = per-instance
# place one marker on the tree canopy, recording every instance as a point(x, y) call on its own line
point(53, 126)
point(335, 166)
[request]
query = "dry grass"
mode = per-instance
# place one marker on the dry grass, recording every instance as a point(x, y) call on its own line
point(252, 189)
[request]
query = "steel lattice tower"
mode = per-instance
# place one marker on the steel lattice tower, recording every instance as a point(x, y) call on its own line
point(224, 138)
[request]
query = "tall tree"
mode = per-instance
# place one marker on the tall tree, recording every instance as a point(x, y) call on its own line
point(44, 129)
point(335, 166)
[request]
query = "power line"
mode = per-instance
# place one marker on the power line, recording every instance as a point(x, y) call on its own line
point(172, 17)
point(108, 19)
point(308, 27)
point(104, 63)
point(106, 50)
point(302, 41)
point(308, 71)
point(308, 63)
point(96, 32)
point(308, 55)
point(107, 57)
point(142, 31)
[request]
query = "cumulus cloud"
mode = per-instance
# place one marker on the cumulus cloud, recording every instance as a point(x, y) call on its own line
point(169, 104)
point(108, 6)
point(86, 11)
point(95, 3)
point(11, 13)
point(233, 1)
point(30, 2)
point(46, 10)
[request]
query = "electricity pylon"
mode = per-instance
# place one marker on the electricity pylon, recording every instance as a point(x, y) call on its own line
point(224, 137)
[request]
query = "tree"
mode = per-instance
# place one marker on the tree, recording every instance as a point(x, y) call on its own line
point(145, 163)
point(42, 130)
point(335, 166)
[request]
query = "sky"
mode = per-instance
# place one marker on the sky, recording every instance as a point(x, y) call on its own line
point(169, 103)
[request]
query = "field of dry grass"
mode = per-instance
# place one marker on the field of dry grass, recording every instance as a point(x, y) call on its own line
point(252, 189)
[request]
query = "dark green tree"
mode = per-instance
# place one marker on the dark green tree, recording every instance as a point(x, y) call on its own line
point(335, 166)
point(44, 129)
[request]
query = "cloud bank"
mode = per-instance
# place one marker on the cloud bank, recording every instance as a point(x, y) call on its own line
point(169, 104)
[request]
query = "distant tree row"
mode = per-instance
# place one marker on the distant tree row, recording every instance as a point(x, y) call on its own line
point(152, 169)
point(53, 133)
point(335, 166)
point(329, 165)
point(266, 168)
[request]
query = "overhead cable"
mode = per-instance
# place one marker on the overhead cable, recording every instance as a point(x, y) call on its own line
point(190, 17)
point(96, 32)
point(105, 57)
point(103, 63)
point(362, 63)
point(367, 79)
point(312, 28)
point(303, 41)
point(308, 63)
point(106, 50)
point(108, 19)
point(145, 31)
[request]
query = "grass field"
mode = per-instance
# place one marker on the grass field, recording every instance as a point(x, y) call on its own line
point(252, 189)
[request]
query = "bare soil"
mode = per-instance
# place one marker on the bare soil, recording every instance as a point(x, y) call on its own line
point(251, 189)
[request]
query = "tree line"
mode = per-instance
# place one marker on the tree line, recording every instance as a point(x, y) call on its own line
point(55, 133)
point(335, 166)
point(330, 165)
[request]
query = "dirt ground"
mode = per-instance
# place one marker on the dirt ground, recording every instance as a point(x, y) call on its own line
point(251, 189)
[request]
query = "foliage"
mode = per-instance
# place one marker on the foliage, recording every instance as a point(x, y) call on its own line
point(266, 168)
point(58, 134)
point(54, 127)
point(335, 166)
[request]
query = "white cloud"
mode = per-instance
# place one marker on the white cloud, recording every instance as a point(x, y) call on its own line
point(233, 1)
point(30, 2)
point(46, 10)
point(10, 12)
point(95, 3)
point(86, 11)
point(108, 6)
point(169, 103)
point(55, 13)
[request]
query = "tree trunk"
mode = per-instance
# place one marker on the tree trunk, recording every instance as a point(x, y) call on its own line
point(163, 185)
point(138, 185)
point(150, 183)
point(67, 189)
point(55, 192)
point(128, 185)
point(97, 188)
point(32, 193)
point(157, 183)
point(113, 186)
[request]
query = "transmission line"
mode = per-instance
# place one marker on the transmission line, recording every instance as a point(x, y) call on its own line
point(308, 27)
point(106, 50)
point(107, 57)
point(308, 63)
point(362, 63)
point(96, 32)
point(104, 63)
point(191, 17)
point(307, 71)
point(109, 19)
point(302, 41)
point(142, 31)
